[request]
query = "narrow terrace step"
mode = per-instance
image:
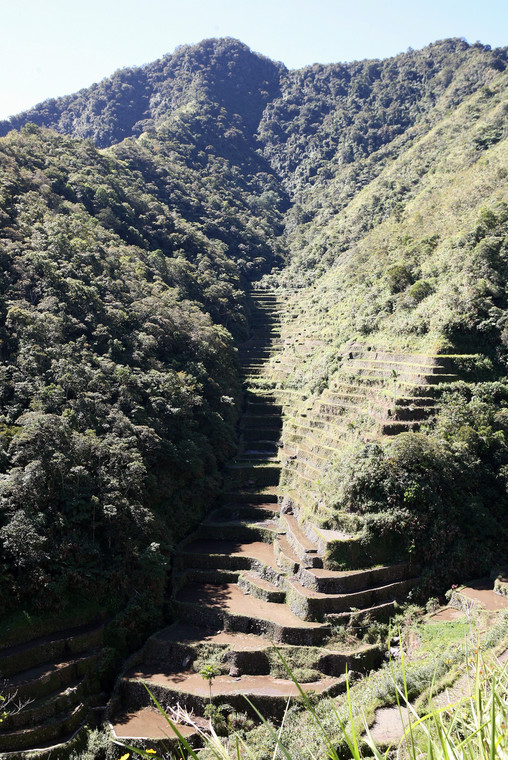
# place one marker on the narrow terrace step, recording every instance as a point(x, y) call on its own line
point(259, 341)
point(204, 575)
point(178, 645)
point(412, 379)
point(306, 452)
point(258, 587)
point(46, 733)
point(271, 303)
point(190, 690)
point(227, 606)
point(400, 368)
point(261, 475)
point(263, 408)
point(260, 449)
point(71, 740)
point(45, 648)
point(267, 495)
point(247, 362)
point(228, 555)
point(395, 428)
point(423, 401)
point(310, 471)
point(357, 619)
point(267, 330)
point(173, 644)
point(304, 548)
point(260, 397)
point(375, 404)
point(253, 466)
point(269, 433)
point(148, 723)
point(259, 350)
point(285, 557)
point(313, 605)
point(48, 677)
point(261, 422)
point(270, 307)
point(324, 537)
point(260, 353)
point(235, 511)
point(46, 708)
point(411, 414)
point(262, 321)
point(347, 581)
point(258, 456)
point(239, 530)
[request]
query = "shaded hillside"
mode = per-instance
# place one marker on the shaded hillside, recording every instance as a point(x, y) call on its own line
point(330, 119)
point(122, 278)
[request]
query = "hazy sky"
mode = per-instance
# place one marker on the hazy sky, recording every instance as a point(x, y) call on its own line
point(54, 47)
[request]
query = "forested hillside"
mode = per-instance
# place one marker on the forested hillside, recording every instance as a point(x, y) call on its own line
point(123, 292)
point(134, 217)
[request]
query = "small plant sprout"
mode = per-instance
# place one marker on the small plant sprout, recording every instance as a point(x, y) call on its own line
point(208, 673)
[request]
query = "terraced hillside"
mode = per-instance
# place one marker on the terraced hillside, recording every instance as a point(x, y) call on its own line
point(54, 680)
point(252, 575)
point(368, 202)
point(374, 394)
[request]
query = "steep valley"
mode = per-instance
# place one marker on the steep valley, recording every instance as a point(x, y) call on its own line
point(254, 339)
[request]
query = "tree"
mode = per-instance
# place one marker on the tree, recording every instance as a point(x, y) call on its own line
point(208, 673)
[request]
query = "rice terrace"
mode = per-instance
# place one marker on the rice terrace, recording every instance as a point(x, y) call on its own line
point(254, 410)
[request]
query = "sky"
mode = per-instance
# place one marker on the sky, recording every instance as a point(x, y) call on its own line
point(50, 48)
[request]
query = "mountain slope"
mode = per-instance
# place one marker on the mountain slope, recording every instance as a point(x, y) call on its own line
point(126, 273)
point(404, 330)
point(135, 100)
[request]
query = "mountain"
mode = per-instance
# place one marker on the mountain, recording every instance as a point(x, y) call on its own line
point(136, 215)
point(222, 77)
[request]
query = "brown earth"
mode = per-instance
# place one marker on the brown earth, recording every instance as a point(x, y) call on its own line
point(482, 591)
point(147, 723)
point(190, 634)
point(256, 550)
point(389, 725)
point(446, 615)
point(230, 597)
point(193, 683)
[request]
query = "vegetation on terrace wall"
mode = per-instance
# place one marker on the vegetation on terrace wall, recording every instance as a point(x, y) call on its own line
point(416, 263)
point(442, 492)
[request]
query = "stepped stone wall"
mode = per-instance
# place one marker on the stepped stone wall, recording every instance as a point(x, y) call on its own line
point(259, 570)
point(56, 678)
point(370, 395)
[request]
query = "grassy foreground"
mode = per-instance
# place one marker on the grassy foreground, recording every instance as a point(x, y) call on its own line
point(468, 723)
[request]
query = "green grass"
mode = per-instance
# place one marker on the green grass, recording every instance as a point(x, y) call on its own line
point(443, 635)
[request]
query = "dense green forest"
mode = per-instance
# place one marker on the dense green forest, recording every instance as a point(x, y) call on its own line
point(134, 217)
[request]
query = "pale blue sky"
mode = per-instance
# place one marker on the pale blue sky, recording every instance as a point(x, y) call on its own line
point(54, 47)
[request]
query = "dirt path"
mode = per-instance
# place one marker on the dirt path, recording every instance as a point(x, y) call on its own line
point(193, 683)
point(230, 597)
point(389, 725)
